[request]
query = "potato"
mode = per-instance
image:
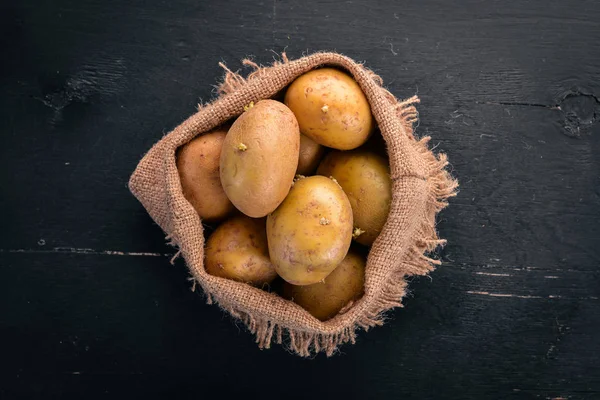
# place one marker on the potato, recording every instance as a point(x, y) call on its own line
point(238, 250)
point(325, 299)
point(310, 155)
point(310, 232)
point(331, 108)
point(365, 177)
point(198, 166)
point(260, 157)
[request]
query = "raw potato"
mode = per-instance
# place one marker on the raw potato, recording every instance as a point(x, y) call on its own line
point(311, 153)
point(238, 250)
point(331, 108)
point(325, 299)
point(198, 166)
point(365, 177)
point(310, 232)
point(260, 157)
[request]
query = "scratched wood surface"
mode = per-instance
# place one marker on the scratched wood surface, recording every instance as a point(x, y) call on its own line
point(89, 304)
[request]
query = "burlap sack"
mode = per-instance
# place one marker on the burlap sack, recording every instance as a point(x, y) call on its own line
point(421, 186)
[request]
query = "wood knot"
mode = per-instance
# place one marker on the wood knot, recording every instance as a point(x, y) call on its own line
point(580, 111)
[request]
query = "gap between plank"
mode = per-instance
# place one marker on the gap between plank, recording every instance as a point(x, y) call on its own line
point(526, 296)
point(84, 251)
point(519, 103)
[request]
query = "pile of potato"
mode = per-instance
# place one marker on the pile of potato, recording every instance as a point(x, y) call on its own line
point(264, 165)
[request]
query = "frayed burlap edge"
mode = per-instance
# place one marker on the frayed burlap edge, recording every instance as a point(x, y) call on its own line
point(421, 187)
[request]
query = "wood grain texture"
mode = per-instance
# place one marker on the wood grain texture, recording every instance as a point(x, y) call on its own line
point(89, 305)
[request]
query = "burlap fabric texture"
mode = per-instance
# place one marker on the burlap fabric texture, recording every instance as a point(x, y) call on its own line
point(421, 186)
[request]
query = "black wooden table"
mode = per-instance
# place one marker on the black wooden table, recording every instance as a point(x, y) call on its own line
point(90, 306)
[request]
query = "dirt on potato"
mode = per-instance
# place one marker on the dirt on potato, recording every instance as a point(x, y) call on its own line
point(325, 299)
point(238, 250)
point(365, 178)
point(198, 167)
point(259, 158)
point(310, 232)
point(331, 108)
point(311, 154)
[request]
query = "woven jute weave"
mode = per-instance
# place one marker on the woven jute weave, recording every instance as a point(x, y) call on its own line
point(420, 189)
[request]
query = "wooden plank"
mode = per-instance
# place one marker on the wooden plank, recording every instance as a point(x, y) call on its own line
point(86, 101)
point(90, 319)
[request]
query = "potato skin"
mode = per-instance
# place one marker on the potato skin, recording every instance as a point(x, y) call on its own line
point(331, 108)
point(324, 300)
point(310, 232)
point(365, 178)
point(311, 154)
point(260, 157)
point(238, 250)
point(198, 165)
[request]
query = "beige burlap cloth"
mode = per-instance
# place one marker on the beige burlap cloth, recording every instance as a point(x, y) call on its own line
point(420, 188)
